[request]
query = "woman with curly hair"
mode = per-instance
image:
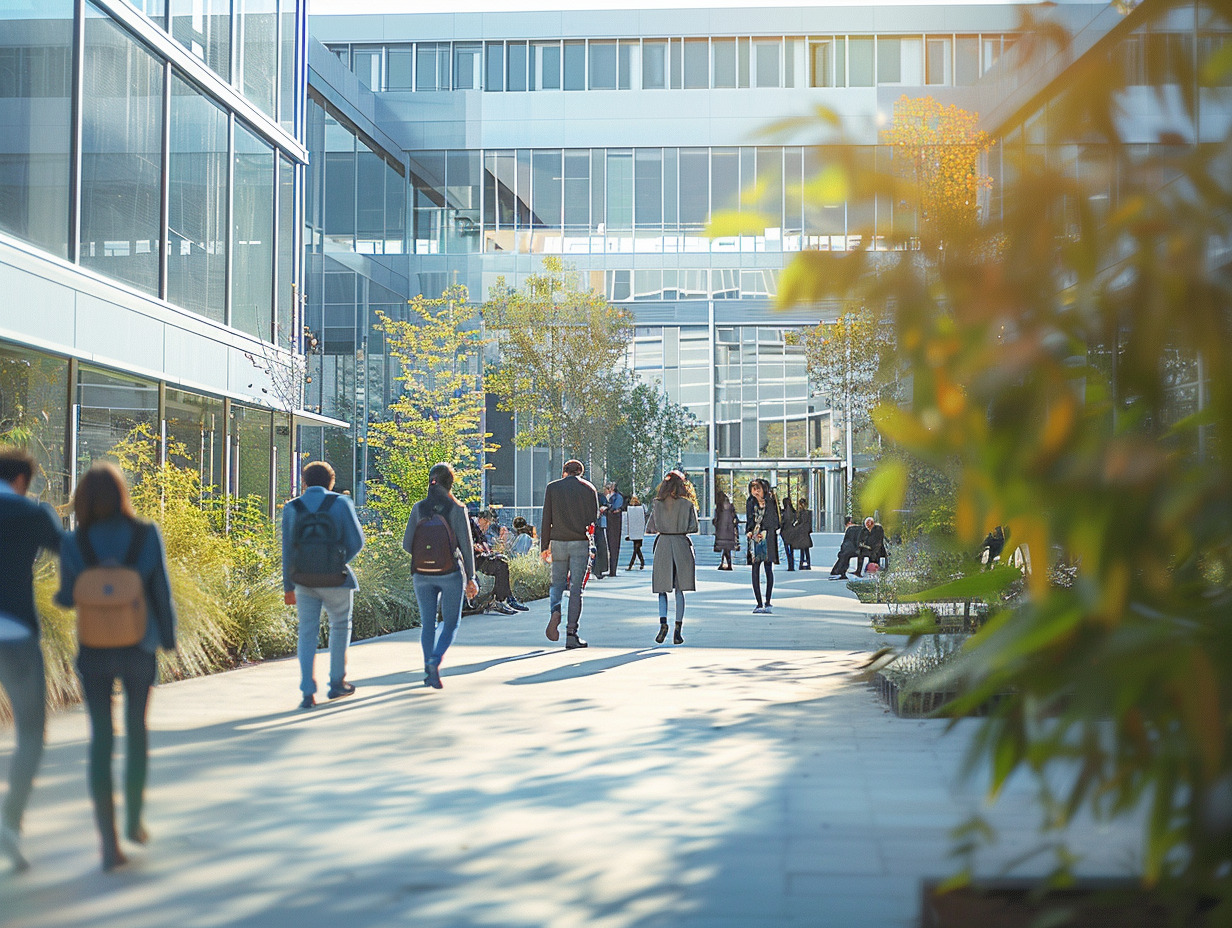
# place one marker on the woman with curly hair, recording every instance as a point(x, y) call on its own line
point(675, 566)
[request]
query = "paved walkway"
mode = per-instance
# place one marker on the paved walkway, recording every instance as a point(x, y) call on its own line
point(743, 779)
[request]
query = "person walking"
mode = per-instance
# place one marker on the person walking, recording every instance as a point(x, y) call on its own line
point(675, 565)
point(726, 529)
point(570, 508)
point(496, 566)
point(615, 519)
point(523, 537)
point(635, 531)
point(442, 570)
point(802, 533)
point(871, 545)
point(112, 547)
point(787, 524)
point(320, 536)
point(599, 560)
point(26, 527)
point(762, 530)
point(848, 548)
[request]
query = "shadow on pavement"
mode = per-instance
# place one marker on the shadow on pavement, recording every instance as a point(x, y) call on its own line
point(587, 668)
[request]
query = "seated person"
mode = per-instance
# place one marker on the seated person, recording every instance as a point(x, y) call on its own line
point(494, 565)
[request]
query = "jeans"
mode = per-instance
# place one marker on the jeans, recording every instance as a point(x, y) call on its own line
point(569, 561)
point(806, 558)
point(337, 601)
point(23, 678)
point(431, 590)
point(791, 561)
point(136, 669)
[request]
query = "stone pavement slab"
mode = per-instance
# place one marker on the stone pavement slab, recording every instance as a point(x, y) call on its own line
point(742, 779)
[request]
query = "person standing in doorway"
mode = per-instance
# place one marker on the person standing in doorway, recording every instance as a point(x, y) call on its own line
point(675, 565)
point(442, 570)
point(109, 533)
point(762, 531)
point(802, 533)
point(26, 527)
point(871, 545)
point(726, 529)
point(570, 508)
point(635, 531)
point(320, 536)
point(847, 549)
point(787, 523)
point(615, 520)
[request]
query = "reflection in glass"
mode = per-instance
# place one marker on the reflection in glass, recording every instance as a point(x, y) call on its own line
point(253, 263)
point(33, 414)
point(259, 51)
point(110, 407)
point(204, 28)
point(195, 436)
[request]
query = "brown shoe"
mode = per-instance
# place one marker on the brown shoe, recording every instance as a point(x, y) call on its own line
point(553, 629)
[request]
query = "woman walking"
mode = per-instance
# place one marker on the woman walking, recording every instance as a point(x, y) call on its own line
point(635, 531)
point(787, 525)
point(802, 537)
point(726, 529)
point(112, 548)
point(442, 568)
point(675, 567)
point(762, 524)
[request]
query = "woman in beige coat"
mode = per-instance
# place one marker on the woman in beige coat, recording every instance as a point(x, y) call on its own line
point(675, 567)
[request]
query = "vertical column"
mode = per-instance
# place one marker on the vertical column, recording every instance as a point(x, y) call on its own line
point(164, 186)
point(75, 110)
point(230, 226)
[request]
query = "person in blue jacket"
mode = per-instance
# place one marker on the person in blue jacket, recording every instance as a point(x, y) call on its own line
point(26, 527)
point(337, 600)
point(105, 519)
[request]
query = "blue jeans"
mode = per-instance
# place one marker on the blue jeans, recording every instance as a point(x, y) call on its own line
point(569, 562)
point(431, 590)
point(22, 676)
point(337, 601)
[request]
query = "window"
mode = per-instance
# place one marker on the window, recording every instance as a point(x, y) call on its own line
point(889, 61)
point(766, 56)
point(794, 63)
point(991, 46)
point(366, 63)
point(516, 62)
point(694, 186)
point(467, 58)
point(546, 209)
point(575, 65)
point(860, 70)
point(577, 189)
point(545, 66)
point(602, 65)
point(620, 189)
point(677, 64)
point(822, 64)
point(723, 51)
point(494, 70)
point(627, 65)
point(937, 64)
point(654, 64)
point(966, 60)
point(725, 178)
point(253, 237)
point(204, 28)
point(648, 185)
point(696, 64)
point(399, 67)
point(426, 70)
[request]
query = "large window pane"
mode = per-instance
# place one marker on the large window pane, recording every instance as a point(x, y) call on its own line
point(339, 219)
point(694, 186)
point(204, 28)
point(648, 184)
point(253, 242)
point(724, 53)
point(285, 292)
point(197, 203)
point(370, 201)
point(425, 67)
point(545, 66)
point(464, 178)
point(725, 179)
point(546, 211)
point(467, 61)
point(654, 64)
point(860, 67)
point(938, 61)
point(288, 97)
point(966, 60)
point(602, 65)
point(822, 63)
point(515, 59)
point(195, 436)
point(400, 68)
point(111, 407)
point(251, 434)
point(494, 70)
point(259, 51)
point(577, 189)
point(395, 211)
point(575, 65)
point(696, 64)
point(628, 64)
point(767, 54)
point(620, 189)
point(121, 156)
point(889, 61)
point(33, 413)
point(35, 101)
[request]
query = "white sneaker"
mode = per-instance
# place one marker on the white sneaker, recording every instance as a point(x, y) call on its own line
point(767, 609)
point(758, 610)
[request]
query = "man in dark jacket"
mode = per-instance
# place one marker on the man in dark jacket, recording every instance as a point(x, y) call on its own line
point(871, 544)
point(26, 527)
point(849, 548)
point(615, 522)
point(570, 508)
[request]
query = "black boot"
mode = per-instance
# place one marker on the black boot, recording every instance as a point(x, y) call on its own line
point(662, 636)
point(677, 638)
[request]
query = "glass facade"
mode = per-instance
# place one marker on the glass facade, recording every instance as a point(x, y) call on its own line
point(34, 413)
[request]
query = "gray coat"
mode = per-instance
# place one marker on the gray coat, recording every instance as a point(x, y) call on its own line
point(675, 567)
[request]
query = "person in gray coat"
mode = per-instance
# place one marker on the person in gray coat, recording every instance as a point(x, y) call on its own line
point(726, 527)
point(675, 566)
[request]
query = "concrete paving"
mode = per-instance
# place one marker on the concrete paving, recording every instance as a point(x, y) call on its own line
point(742, 779)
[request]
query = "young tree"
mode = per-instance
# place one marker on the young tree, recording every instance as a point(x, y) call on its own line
point(560, 348)
point(652, 431)
point(439, 415)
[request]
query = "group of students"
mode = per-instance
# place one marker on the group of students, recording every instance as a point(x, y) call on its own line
point(113, 570)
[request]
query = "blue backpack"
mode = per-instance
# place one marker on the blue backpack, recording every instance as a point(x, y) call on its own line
point(318, 556)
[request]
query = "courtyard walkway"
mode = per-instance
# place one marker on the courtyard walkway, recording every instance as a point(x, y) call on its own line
point(743, 779)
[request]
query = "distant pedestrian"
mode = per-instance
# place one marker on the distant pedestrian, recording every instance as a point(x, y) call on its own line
point(112, 556)
point(994, 544)
point(872, 546)
point(523, 537)
point(726, 529)
point(496, 566)
point(762, 531)
point(26, 527)
point(570, 508)
point(600, 559)
point(802, 533)
point(787, 522)
point(442, 567)
point(615, 520)
point(320, 537)
point(635, 531)
point(675, 564)
point(847, 549)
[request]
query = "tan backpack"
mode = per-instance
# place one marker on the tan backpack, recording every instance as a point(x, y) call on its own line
point(110, 596)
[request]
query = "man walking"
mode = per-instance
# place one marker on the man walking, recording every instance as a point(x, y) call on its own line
point(320, 536)
point(849, 548)
point(872, 545)
point(615, 518)
point(494, 565)
point(25, 527)
point(570, 507)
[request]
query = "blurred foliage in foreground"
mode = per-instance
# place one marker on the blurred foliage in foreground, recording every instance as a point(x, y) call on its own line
point(1049, 354)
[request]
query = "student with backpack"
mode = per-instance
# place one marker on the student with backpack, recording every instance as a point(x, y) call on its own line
point(320, 536)
point(442, 569)
point(114, 570)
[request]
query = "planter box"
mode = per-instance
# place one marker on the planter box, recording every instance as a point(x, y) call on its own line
point(917, 704)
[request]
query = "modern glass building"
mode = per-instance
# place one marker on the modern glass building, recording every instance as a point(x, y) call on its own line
point(151, 165)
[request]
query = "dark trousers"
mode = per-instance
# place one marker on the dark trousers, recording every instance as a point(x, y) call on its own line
point(637, 554)
point(602, 561)
point(725, 558)
point(136, 670)
point(791, 561)
point(496, 567)
point(757, 580)
point(806, 558)
point(614, 522)
point(841, 565)
point(23, 679)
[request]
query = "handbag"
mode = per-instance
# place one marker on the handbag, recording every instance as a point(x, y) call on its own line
point(761, 551)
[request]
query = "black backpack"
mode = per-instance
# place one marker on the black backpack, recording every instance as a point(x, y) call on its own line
point(318, 556)
point(434, 549)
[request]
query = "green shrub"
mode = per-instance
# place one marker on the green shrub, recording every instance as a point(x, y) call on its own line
point(529, 576)
point(386, 599)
